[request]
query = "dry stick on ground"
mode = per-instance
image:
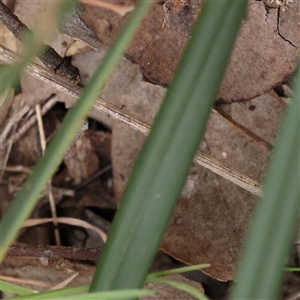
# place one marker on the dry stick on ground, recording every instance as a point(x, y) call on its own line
point(49, 186)
point(19, 169)
point(50, 58)
point(58, 193)
point(27, 125)
point(25, 110)
point(113, 111)
point(69, 221)
point(243, 129)
point(25, 281)
point(86, 254)
point(39, 283)
point(6, 157)
point(93, 176)
point(119, 9)
point(64, 283)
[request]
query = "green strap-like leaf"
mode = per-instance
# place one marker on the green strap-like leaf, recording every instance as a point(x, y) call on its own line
point(181, 286)
point(26, 199)
point(56, 293)
point(161, 169)
point(276, 220)
point(94, 296)
point(12, 288)
point(177, 271)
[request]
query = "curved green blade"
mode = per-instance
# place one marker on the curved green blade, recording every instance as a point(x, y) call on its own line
point(161, 169)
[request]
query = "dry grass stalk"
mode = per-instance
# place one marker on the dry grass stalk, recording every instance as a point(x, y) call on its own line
point(69, 221)
point(64, 283)
point(116, 113)
point(49, 187)
point(119, 9)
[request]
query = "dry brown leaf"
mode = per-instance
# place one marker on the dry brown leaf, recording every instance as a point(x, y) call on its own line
point(82, 160)
point(261, 58)
point(209, 222)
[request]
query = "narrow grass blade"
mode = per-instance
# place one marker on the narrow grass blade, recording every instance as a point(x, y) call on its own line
point(275, 222)
point(94, 296)
point(292, 269)
point(177, 271)
point(12, 288)
point(124, 294)
point(160, 172)
point(181, 286)
point(85, 288)
point(56, 293)
point(26, 199)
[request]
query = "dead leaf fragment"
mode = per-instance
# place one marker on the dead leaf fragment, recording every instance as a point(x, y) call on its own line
point(181, 15)
point(261, 115)
point(289, 23)
point(82, 159)
point(260, 60)
point(211, 217)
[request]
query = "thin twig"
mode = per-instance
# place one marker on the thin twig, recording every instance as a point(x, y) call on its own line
point(49, 186)
point(40, 127)
point(230, 174)
point(27, 125)
point(64, 283)
point(53, 213)
point(119, 9)
point(95, 175)
point(85, 254)
point(26, 281)
point(113, 111)
point(69, 221)
point(12, 22)
point(50, 58)
point(20, 169)
point(6, 157)
point(12, 121)
point(58, 192)
point(243, 129)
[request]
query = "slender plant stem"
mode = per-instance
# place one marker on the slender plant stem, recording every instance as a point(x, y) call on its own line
point(160, 171)
point(27, 198)
point(276, 220)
